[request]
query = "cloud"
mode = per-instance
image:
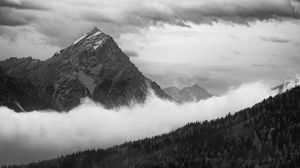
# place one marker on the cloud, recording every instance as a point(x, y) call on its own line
point(295, 60)
point(296, 5)
point(131, 53)
point(236, 52)
point(117, 17)
point(12, 13)
point(264, 65)
point(33, 136)
point(275, 39)
point(10, 18)
point(225, 58)
point(27, 5)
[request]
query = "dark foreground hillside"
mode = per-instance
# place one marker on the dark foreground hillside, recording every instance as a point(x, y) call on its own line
point(266, 135)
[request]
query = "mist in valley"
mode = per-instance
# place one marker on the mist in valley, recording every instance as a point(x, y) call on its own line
point(38, 135)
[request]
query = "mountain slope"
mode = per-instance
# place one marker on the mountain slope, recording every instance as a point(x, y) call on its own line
point(187, 94)
point(93, 66)
point(12, 97)
point(266, 135)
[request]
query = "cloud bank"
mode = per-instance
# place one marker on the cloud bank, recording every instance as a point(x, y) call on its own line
point(33, 136)
point(119, 16)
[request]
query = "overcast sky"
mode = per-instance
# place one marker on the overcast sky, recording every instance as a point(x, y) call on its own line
point(215, 43)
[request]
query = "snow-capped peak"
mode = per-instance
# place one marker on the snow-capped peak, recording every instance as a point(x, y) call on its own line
point(95, 34)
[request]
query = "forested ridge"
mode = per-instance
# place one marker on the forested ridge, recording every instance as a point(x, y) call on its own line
point(266, 135)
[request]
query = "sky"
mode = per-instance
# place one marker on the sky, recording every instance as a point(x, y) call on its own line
point(232, 48)
point(217, 44)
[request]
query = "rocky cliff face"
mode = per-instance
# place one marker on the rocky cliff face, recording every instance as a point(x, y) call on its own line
point(187, 94)
point(17, 99)
point(93, 66)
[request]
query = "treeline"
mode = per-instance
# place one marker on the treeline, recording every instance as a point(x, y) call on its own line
point(264, 136)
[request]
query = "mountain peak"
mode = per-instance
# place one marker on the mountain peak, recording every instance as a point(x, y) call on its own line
point(95, 36)
point(95, 30)
point(93, 66)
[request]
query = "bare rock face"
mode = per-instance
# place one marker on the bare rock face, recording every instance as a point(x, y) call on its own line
point(13, 97)
point(93, 66)
point(188, 94)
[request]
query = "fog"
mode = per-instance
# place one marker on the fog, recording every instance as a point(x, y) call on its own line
point(33, 136)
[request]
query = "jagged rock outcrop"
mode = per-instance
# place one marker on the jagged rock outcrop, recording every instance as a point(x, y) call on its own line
point(188, 94)
point(93, 66)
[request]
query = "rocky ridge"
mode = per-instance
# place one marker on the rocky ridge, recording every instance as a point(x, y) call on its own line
point(188, 94)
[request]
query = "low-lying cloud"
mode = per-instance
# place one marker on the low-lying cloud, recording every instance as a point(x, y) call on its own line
point(26, 137)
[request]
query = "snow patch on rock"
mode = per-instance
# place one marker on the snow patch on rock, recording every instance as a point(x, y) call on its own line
point(75, 42)
point(97, 44)
point(95, 34)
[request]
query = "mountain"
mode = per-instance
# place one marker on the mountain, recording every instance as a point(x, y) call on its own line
point(11, 96)
point(187, 94)
point(266, 135)
point(93, 66)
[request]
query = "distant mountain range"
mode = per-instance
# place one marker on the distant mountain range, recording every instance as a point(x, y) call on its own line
point(93, 66)
point(266, 135)
point(187, 94)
